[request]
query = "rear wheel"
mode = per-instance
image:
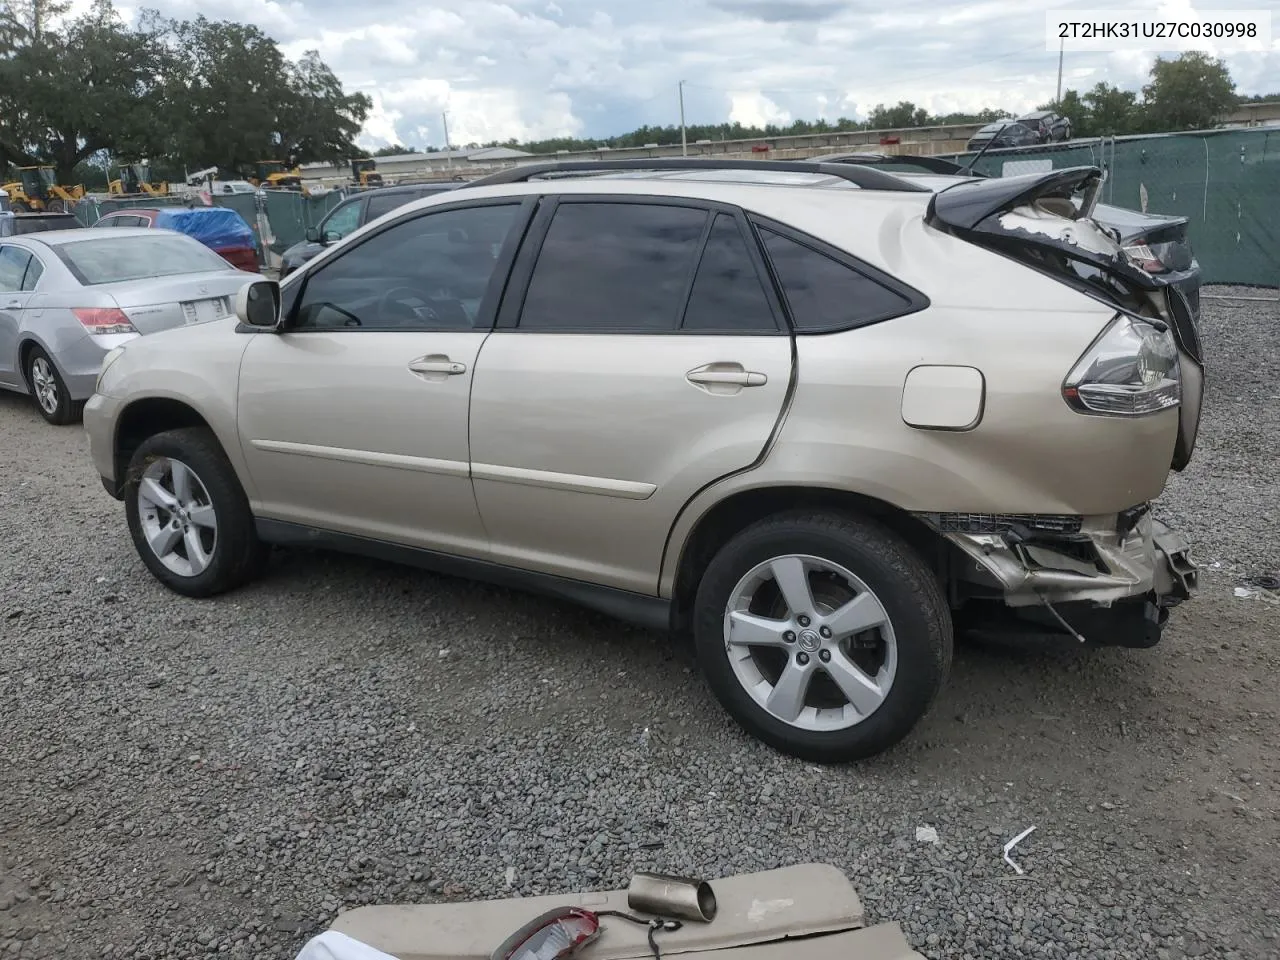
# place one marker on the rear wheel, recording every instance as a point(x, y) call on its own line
point(188, 515)
point(49, 390)
point(823, 635)
point(19, 207)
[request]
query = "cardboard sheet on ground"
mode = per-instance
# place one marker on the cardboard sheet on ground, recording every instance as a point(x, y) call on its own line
point(759, 918)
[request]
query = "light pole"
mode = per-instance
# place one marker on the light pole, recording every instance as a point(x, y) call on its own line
point(1057, 101)
point(684, 140)
point(444, 118)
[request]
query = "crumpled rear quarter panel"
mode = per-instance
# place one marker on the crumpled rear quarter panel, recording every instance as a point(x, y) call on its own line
point(1030, 452)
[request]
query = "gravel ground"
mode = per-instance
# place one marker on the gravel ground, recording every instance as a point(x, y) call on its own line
point(183, 778)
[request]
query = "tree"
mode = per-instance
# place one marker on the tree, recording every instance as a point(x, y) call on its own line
point(70, 88)
point(233, 99)
point(393, 150)
point(1112, 111)
point(316, 119)
point(1190, 92)
point(905, 114)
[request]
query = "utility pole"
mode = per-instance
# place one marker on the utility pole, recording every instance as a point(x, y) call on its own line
point(1057, 101)
point(684, 140)
point(444, 117)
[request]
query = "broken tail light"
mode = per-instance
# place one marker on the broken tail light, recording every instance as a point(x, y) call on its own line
point(555, 935)
point(103, 320)
point(1146, 258)
point(1131, 369)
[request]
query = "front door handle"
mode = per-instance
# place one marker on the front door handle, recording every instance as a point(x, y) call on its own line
point(727, 378)
point(13, 305)
point(436, 366)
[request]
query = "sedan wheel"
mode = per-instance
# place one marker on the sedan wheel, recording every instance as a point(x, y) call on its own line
point(177, 517)
point(49, 390)
point(810, 643)
point(44, 385)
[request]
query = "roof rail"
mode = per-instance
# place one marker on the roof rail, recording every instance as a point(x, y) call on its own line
point(866, 177)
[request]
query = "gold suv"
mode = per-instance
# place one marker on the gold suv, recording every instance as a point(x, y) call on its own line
point(817, 416)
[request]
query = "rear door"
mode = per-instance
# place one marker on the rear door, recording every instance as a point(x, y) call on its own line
point(640, 355)
point(14, 295)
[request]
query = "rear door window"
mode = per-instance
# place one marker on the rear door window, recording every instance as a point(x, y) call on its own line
point(13, 267)
point(727, 294)
point(35, 270)
point(823, 294)
point(614, 267)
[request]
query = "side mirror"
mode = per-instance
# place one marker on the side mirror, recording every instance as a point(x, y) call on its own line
point(330, 236)
point(313, 234)
point(258, 303)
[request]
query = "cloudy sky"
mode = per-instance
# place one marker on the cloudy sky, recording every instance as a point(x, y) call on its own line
point(531, 69)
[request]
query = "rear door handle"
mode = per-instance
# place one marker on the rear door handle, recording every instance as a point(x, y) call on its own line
point(437, 366)
point(725, 375)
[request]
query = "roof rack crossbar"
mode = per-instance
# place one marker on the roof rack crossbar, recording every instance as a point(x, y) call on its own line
point(868, 178)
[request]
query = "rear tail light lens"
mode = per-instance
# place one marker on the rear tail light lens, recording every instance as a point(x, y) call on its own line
point(104, 320)
point(552, 936)
point(1146, 258)
point(1130, 370)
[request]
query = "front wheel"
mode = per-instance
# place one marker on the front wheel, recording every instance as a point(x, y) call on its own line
point(56, 206)
point(823, 635)
point(188, 515)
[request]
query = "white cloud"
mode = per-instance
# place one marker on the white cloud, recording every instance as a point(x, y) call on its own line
point(754, 109)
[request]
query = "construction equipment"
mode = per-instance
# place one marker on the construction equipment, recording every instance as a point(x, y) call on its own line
point(364, 173)
point(37, 189)
point(275, 175)
point(135, 180)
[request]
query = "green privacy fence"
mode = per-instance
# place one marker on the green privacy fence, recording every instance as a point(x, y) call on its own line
point(1225, 182)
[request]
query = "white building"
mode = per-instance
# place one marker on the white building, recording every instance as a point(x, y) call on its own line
point(441, 164)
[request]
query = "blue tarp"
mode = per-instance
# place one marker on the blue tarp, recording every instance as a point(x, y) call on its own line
point(215, 227)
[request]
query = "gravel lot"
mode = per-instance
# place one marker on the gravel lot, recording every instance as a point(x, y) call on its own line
point(182, 778)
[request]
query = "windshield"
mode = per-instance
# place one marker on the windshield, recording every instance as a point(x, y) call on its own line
point(120, 258)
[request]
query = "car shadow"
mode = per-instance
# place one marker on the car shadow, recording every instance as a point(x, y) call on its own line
point(1002, 698)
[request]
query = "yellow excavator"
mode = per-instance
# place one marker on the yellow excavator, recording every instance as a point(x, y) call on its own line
point(365, 173)
point(37, 189)
point(276, 176)
point(135, 181)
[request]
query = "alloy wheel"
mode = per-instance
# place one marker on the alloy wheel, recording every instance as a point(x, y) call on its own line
point(810, 642)
point(177, 517)
point(45, 384)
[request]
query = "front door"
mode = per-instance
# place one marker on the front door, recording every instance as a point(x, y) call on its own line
point(354, 418)
point(639, 357)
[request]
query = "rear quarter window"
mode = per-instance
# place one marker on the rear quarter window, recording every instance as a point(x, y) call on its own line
point(825, 293)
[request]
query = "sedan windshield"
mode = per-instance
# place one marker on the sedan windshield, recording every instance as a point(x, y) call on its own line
point(137, 257)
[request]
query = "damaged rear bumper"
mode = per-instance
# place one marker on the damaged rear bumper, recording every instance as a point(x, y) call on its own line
point(1100, 560)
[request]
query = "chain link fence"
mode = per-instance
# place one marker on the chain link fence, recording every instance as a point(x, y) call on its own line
point(1225, 182)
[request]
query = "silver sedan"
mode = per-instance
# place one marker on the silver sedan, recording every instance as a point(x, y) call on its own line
point(69, 296)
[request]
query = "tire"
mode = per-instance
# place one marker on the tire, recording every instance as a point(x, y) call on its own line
point(213, 509)
point(49, 390)
point(56, 206)
point(907, 657)
point(19, 207)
